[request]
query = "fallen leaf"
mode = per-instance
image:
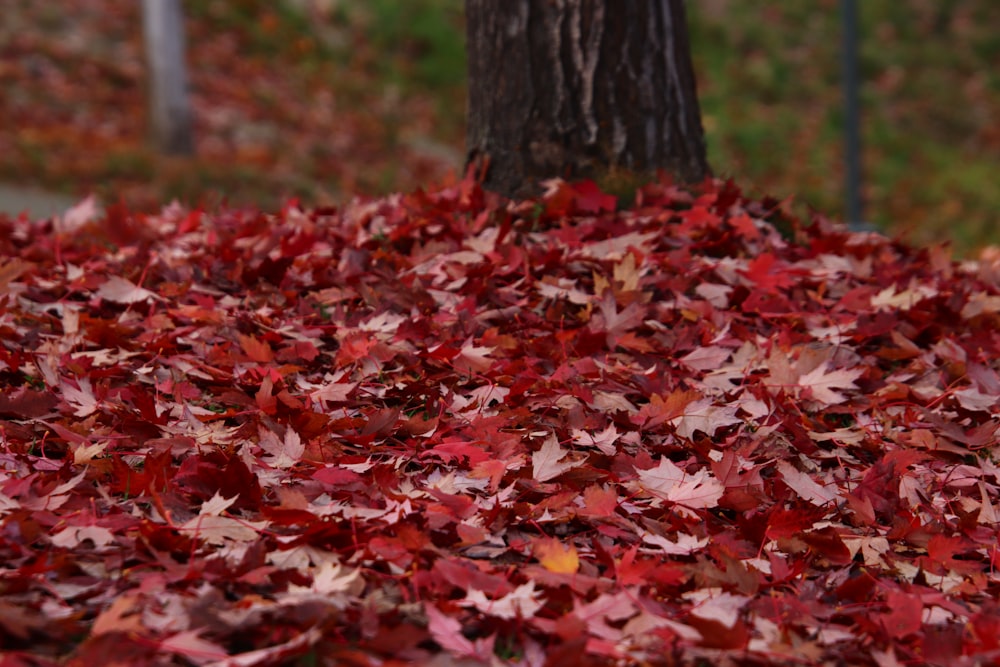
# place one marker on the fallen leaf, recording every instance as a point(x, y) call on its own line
point(556, 556)
point(523, 602)
point(120, 290)
point(820, 384)
point(551, 460)
point(804, 485)
point(697, 491)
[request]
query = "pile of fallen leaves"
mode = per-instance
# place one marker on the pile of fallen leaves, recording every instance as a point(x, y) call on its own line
point(445, 429)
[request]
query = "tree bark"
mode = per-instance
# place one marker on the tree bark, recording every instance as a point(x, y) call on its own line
point(581, 89)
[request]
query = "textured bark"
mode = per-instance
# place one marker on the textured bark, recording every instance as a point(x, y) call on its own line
point(581, 89)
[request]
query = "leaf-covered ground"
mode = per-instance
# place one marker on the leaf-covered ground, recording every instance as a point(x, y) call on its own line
point(441, 429)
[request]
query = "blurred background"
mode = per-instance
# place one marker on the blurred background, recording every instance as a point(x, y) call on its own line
point(322, 99)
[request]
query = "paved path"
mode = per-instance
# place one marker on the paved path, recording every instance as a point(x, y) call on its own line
point(15, 200)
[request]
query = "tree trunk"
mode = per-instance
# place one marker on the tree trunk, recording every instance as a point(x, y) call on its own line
point(163, 27)
point(581, 89)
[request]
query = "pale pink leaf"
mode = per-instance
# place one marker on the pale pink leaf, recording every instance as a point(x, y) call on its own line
point(704, 416)
point(617, 607)
point(447, 631)
point(523, 602)
point(973, 399)
point(706, 358)
point(80, 397)
point(332, 390)
point(551, 461)
point(119, 290)
point(684, 545)
point(68, 486)
point(214, 528)
point(712, 604)
point(987, 513)
point(191, 645)
point(217, 504)
point(889, 298)
point(78, 215)
point(820, 383)
point(289, 652)
point(219, 529)
point(332, 579)
point(473, 358)
point(696, 491)
point(604, 441)
point(616, 322)
point(563, 289)
point(804, 485)
point(72, 537)
point(282, 452)
point(384, 323)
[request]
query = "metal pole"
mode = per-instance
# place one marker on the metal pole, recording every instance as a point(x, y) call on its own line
point(163, 28)
point(852, 115)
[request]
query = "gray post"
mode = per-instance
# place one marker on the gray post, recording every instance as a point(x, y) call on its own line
point(170, 108)
point(852, 115)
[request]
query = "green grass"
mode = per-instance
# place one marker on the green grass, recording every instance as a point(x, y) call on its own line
point(419, 47)
point(769, 81)
point(421, 42)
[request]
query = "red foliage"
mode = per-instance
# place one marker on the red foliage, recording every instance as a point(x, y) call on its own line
point(509, 433)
